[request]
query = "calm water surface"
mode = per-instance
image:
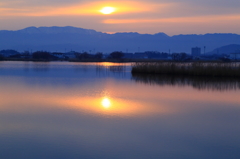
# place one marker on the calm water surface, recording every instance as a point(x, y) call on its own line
point(100, 111)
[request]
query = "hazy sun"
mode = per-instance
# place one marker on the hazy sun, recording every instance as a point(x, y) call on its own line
point(106, 103)
point(107, 10)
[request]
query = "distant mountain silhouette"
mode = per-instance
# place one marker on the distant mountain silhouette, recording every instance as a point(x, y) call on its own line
point(57, 30)
point(78, 39)
point(233, 48)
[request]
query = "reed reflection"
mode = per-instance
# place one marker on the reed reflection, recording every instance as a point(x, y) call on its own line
point(200, 83)
point(40, 66)
point(107, 68)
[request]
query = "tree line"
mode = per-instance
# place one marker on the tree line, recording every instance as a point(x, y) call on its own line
point(45, 55)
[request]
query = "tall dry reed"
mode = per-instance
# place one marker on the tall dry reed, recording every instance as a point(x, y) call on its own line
point(191, 69)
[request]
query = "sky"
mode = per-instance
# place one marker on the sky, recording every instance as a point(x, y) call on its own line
point(172, 17)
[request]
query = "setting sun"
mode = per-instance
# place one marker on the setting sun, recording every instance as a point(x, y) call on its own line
point(106, 103)
point(107, 10)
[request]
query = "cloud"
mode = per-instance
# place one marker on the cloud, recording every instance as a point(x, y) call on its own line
point(53, 3)
point(40, 3)
point(152, 8)
point(205, 3)
point(90, 8)
point(200, 19)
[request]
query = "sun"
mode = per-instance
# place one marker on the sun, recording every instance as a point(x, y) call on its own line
point(106, 103)
point(107, 10)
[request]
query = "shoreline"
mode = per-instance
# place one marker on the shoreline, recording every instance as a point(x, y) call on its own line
point(116, 60)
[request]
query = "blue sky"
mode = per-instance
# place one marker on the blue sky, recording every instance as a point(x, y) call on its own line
point(144, 16)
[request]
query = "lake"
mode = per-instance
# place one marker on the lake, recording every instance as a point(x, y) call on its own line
point(69, 110)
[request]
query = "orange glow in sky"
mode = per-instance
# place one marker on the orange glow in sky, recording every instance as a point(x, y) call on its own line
point(91, 8)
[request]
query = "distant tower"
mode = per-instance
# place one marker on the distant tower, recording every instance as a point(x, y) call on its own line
point(204, 50)
point(196, 51)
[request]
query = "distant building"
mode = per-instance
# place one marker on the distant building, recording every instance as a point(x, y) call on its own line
point(140, 55)
point(70, 55)
point(58, 55)
point(128, 55)
point(196, 51)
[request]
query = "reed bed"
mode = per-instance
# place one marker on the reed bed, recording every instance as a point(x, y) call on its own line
point(189, 69)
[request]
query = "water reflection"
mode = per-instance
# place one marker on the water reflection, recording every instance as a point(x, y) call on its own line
point(117, 69)
point(200, 83)
point(63, 113)
point(40, 66)
point(104, 98)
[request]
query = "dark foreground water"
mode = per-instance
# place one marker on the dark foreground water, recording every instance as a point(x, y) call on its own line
point(100, 111)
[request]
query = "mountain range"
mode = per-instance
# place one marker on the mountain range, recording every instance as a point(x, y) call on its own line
point(78, 39)
point(233, 48)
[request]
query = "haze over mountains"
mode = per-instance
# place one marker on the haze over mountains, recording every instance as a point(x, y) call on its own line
point(70, 38)
point(233, 48)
